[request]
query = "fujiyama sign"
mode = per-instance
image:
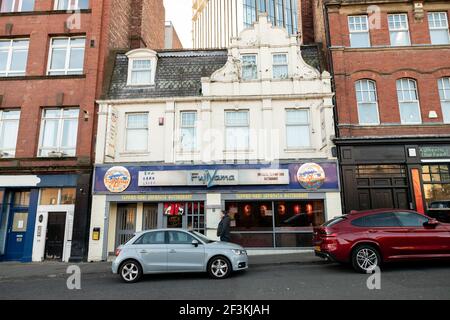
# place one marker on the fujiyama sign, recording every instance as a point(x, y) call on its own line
point(215, 177)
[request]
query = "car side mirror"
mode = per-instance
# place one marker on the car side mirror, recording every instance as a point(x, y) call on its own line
point(195, 243)
point(431, 223)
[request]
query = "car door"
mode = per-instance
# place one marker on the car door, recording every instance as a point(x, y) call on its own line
point(182, 255)
point(151, 248)
point(424, 240)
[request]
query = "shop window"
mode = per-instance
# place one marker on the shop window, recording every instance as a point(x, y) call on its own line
point(436, 185)
point(399, 29)
point(49, 197)
point(68, 196)
point(359, 31)
point(55, 196)
point(438, 24)
point(195, 212)
point(16, 5)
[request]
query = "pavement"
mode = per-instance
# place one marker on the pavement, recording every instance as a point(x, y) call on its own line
point(49, 269)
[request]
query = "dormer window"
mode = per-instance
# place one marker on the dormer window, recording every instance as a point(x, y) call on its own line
point(141, 67)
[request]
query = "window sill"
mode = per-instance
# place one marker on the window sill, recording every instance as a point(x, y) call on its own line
point(47, 77)
point(185, 152)
point(40, 13)
point(134, 153)
point(300, 150)
point(238, 151)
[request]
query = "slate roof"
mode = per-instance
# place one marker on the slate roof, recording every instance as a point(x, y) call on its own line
point(179, 73)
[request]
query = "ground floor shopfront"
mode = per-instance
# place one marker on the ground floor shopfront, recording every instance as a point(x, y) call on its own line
point(270, 207)
point(402, 173)
point(40, 219)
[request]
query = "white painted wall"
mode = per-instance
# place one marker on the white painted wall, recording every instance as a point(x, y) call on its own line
point(97, 221)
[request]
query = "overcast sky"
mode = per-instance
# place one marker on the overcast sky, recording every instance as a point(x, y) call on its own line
point(180, 12)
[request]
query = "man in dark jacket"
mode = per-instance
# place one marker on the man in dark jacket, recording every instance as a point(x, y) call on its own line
point(223, 230)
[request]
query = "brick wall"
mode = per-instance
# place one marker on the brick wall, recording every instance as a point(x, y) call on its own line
point(120, 24)
point(306, 20)
point(385, 65)
point(153, 26)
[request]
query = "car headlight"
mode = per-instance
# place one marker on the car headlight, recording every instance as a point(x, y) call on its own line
point(239, 252)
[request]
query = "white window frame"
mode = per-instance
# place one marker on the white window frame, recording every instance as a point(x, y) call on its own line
point(131, 69)
point(366, 31)
point(401, 100)
point(365, 91)
point(444, 98)
point(280, 65)
point(441, 28)
point(58, 148)
point(10, 153)
point(68, 48)
point(19, 7)
point(184, 126)
point(243, 65)
point(247, 126)
point(399, 29)
point(125, 142)
point(11, 49)
point(75, 5)
point(298, 124)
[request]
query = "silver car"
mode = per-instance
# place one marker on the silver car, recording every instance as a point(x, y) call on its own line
point(177, 250)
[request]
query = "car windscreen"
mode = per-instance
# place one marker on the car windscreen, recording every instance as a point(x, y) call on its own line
point(334, 221)
point(202, 237)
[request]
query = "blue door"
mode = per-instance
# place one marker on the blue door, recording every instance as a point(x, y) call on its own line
point(17, 226)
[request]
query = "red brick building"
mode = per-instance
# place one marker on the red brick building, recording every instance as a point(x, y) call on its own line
point(53, 55)
point(391, 67)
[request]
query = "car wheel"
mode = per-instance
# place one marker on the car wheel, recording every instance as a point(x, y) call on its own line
point(130, 271)
point(365, 259)
point(219, 268)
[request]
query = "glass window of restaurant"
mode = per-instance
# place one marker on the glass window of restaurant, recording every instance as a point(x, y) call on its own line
point(268, 224)
point(436, 185)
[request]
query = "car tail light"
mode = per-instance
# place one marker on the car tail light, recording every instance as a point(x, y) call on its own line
point(118, 252)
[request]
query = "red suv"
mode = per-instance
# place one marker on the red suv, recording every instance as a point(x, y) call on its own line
point(369, 238)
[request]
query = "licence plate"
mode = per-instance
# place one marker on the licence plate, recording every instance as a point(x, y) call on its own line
point(317, 248)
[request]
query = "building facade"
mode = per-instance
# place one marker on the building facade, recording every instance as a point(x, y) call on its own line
point(248, 131)
point(215, 22)
point(391, 64)
point(52, 63)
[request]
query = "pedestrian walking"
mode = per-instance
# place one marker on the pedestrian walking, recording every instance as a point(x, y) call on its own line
point(223, 230)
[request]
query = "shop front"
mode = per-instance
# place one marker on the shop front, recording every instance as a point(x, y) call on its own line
point(401, 173)
point(270, 207)
point(36, 217)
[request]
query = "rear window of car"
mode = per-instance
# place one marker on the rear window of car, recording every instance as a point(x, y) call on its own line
point(157, 237)
point(334, 221)
point(377, 220)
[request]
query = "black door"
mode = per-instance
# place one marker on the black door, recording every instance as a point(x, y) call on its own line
point(54, 243)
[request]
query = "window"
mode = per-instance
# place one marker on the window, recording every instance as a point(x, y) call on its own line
point(237, 130)
point(297, 129)
point(155, 237)
point(359, 31)
point(13, 57)
point(188, 131)
point(280, 66)
point(140, 72)
point(408, 219)
point(22, 199)
point(16, 5)
point(59, 130)
point(249, 67)
point(71, 4)
point(366, 96)
point(66, 56)
point(377, 220)
point(249, 12)
point(438, 24)
point(178, 237)
point(408, 101)
point(55, 196)
point(398, 29)
point(9, 127)
point(436, 184)
point(137, 132)
point(444, 93)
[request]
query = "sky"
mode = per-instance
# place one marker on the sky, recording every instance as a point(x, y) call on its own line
point(180, 13)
